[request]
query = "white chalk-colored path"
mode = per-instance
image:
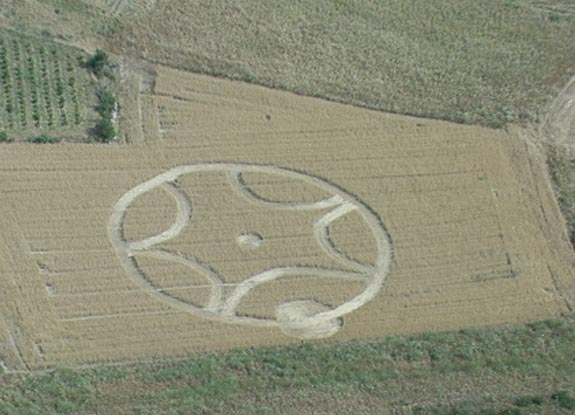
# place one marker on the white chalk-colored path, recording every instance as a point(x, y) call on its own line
point(303, 318)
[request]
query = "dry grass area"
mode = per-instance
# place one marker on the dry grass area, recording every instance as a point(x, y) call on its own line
point(480, 62)
point(111, 253)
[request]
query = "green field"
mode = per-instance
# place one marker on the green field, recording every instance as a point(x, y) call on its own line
point(520, 370)
point(43, 87)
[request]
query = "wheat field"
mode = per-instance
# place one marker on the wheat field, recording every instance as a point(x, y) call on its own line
point(256, 217)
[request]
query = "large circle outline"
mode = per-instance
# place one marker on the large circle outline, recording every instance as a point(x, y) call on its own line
point(126, 253)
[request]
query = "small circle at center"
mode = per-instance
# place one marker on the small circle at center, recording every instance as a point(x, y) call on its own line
point(250, 240)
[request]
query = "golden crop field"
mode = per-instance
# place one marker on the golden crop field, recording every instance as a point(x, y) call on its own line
point(257, 217)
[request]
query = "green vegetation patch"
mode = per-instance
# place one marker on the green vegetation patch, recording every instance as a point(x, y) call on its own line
point(533, 364)
point(558, 403)
point(4, 138)
point(41, 84)
point(43, 139)
point(100, 64)
point(564, 400)
point(104, 130)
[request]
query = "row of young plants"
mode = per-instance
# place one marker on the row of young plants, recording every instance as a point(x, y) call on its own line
point(71, 66)
point(46, 86)
point(7, 85)
point(33, 85)
point(20, 84)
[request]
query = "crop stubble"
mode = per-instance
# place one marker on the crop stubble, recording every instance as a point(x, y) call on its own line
point(477, 238)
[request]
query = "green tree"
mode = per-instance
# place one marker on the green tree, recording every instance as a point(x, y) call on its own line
point(100, 64)
point(104, 130)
